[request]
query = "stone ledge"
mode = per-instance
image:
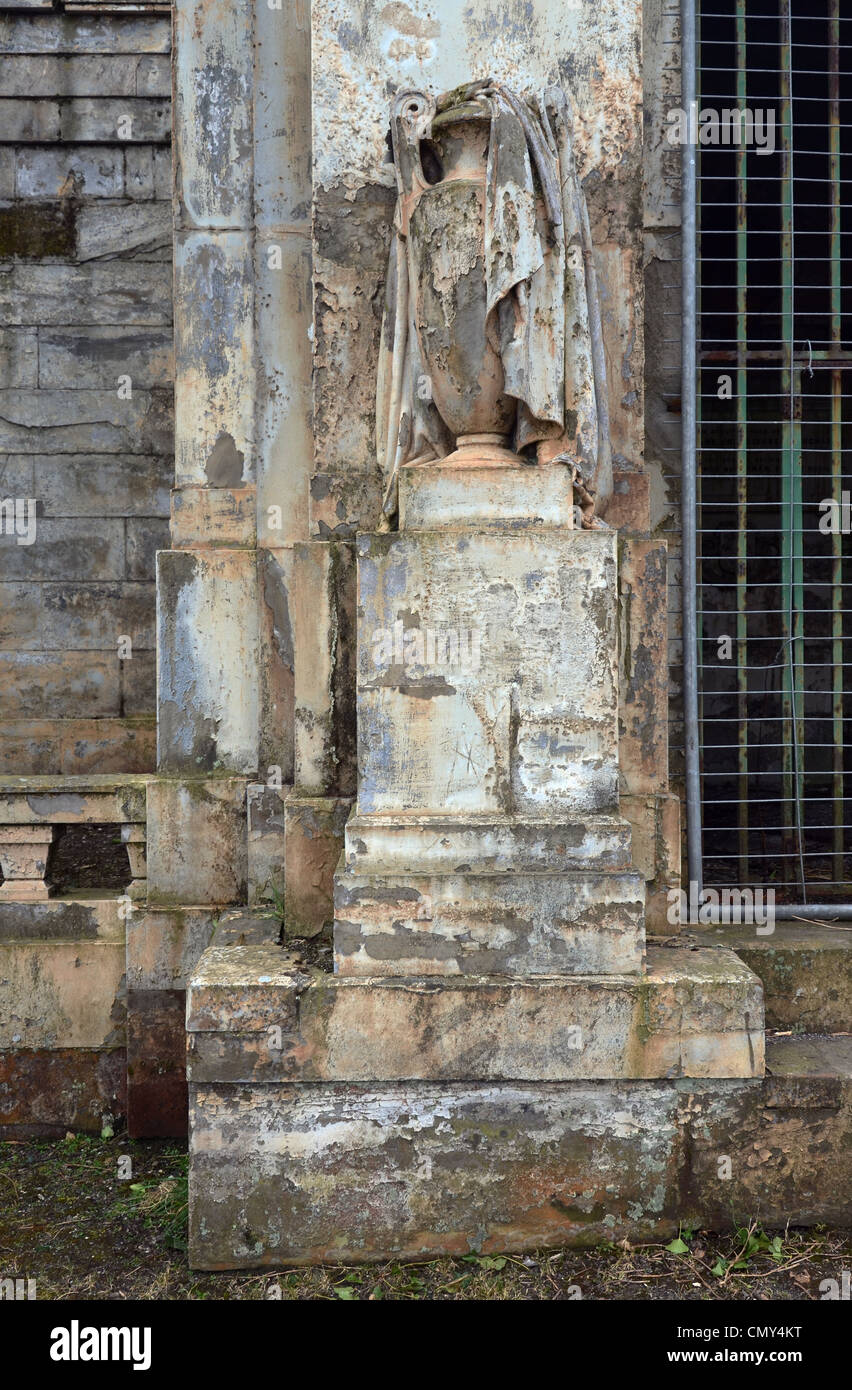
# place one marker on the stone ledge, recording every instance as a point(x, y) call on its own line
point(806, 971)
point(77, 917)
point(62, 994)
point(105, 799)
point(46, 1092)
point(485, 844)
point(701, 1016)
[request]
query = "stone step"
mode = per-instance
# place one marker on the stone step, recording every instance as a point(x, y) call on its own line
point(252, 1017)
point(284, 1174)
point(485, 844)
point(806, 971)
point(489, 924)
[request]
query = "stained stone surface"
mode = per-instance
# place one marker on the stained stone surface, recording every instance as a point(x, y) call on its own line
point(489, 924)
point(694, 1014)
point(486, 672)
point(284, 1174)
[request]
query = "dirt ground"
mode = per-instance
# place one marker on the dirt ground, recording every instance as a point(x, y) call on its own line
point(68, 1220)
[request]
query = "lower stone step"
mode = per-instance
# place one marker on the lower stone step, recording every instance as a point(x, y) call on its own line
point(252, 1017)
point(806, 969)
point(283, 1174)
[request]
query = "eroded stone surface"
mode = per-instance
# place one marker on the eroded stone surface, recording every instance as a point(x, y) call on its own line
point(486, 673)
point(585, 923)
point(287, 1174)
point(697, 1013)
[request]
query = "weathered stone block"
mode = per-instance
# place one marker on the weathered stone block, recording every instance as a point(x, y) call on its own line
point(57, 994)
point(73, 548)
point(48, 75)
point(153, 77)
point(266, 835)
point(99, 119)
point(495, 844)
point(30, 120)
point(63, 421)
point(100, 34)
point(18, 361)
point(91, 617)
point(486, 673)
point(64, 919)
point(197, 849)
point(643, 669)
point(313, 844)
point(139, 682)
point(437, 498)
point(144, 537)
point(102, 485)
point(214, 356)
point(46, 1092)
point(43, 684)
point(277, 665)
point(20, 613)
point(696, 1013)
point(789, 1142)
point(806, 970)
point(164, 945)
point(282, 116)
point(283, 1174)
point(126, 745)
point(97, 357)
point(489, 924)
point(208, 646)
point(156, 1079)
point(218, 517)
point(38, 231)
point(213, 112)
point(61, 171)
point(132, 293)
point(323, 619)
point(285, 445)
point(24, 851)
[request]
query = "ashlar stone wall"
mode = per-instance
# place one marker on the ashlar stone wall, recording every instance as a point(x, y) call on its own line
point(86, 368)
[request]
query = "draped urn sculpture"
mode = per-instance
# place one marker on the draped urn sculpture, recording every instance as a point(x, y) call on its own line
point(492, 353)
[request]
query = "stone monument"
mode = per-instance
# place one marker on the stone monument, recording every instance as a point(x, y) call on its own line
point(467, 1076)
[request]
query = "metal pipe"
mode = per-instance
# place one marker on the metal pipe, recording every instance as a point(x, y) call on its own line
point(688, 442)
point(783, 912)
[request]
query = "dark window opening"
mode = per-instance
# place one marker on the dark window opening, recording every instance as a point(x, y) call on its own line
point(775, 429)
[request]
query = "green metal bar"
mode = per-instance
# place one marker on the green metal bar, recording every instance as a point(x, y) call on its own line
point(836, 436)
point(742, 461)
point(787, 331)
point(699, 394)
point(791, 567)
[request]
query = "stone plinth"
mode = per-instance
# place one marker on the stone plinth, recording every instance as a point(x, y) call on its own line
point(701, 1016)
point(436, 497)
point(487, 672)
point(283, 1174)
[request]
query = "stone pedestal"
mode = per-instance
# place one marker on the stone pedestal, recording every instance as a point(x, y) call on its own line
point(491, 987)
